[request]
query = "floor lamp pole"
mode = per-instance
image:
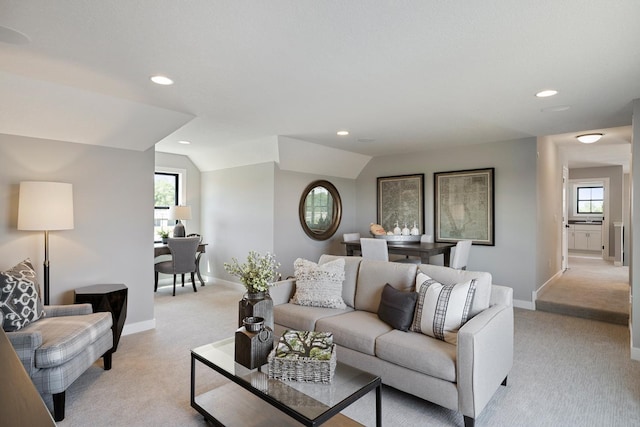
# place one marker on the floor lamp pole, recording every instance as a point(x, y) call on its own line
point(46, 267)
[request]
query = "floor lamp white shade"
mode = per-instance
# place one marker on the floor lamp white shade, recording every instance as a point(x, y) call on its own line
point(179, 213)
point(45, 206)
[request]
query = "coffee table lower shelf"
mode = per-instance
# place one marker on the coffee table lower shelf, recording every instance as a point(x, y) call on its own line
point(234, 406)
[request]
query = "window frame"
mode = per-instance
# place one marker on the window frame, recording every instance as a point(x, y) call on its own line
point(590, 200)
point(180, 196)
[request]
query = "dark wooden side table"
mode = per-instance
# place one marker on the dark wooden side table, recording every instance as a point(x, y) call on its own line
point(111, 298)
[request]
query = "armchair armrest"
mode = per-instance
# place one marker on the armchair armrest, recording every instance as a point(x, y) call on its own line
point(25, 344)
point(484, 357)
point(67, 310)
point(282, 291)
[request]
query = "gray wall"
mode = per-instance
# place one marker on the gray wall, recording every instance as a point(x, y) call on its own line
point(634, 276)
point(291, 242)
point(237, 215)
point(614, 173)
point(113, 211)
point(549, 211)
point(512, 260)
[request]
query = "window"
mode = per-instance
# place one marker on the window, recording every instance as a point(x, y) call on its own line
point(590, 200)
point(166, 194)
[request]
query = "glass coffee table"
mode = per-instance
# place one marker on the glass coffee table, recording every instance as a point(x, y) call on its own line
point(252, 399)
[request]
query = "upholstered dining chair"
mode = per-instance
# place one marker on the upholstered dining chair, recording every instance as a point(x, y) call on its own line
point(374, 249)
point(461, 255)
point(348, 237)
point(183, 260)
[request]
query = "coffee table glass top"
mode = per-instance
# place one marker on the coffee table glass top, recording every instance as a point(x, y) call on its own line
point(310, 400)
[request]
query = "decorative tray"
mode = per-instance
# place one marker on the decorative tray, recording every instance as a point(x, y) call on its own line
point(397, 238)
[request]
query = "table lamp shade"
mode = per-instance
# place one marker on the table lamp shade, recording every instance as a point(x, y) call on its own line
point(180, 212)
point(45, 206)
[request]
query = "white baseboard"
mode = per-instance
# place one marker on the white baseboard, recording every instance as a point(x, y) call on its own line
point(134, 328)
point(534, 294)
point(635, 353)
point(528, 305)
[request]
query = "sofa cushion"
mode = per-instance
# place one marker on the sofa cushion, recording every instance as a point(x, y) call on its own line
point(356, 330)
point(374, 275)
point(418, 352)
point(451, 276)
point(65, 337)
point(396, 307)
point(319, 285)
point(441, 309)
point(351, 267)
point(20, 302)
point(303, 318)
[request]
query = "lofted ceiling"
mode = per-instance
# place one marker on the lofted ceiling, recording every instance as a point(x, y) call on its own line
point(401, 77)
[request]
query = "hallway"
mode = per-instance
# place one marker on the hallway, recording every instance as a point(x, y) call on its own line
point(591, 288)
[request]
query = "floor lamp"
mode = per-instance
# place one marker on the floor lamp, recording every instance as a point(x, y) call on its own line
point(45, 206)
point(179, 213)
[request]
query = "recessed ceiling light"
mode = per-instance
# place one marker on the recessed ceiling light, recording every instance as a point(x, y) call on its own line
point(343, 132)
point(589, 138)
point(547, 92)
point(161, 80)
point(184, 142)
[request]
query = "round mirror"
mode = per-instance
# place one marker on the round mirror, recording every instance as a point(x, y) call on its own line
point(320, 210)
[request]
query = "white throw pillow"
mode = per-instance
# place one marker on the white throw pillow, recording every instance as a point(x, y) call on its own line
point(319, 285)
point(442, 309)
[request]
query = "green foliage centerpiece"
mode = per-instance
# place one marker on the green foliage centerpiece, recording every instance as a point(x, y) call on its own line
point(257, 274)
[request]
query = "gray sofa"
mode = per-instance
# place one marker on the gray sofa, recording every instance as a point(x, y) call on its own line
point(460, 377)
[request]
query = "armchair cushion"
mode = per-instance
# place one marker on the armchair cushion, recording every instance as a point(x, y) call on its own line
point(65, 337)
point(20, 302)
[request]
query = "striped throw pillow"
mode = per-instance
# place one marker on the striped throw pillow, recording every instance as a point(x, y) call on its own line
point(442, 309)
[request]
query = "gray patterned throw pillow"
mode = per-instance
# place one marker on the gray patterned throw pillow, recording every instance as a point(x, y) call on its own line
point(20, 301)
point(319, 285)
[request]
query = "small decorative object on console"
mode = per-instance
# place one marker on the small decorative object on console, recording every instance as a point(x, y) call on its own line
point(304, 356)
point(253, 342)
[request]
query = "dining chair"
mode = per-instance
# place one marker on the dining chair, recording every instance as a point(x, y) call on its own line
point(347, 237)
point(425, 238)
point(374, 249)
point(183, 260)
point(461, 255)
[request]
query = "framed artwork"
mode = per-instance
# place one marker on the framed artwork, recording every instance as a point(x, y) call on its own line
point(401, 200)
point(464, 206)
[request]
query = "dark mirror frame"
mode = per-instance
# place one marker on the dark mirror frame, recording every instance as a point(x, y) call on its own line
point(336, 215)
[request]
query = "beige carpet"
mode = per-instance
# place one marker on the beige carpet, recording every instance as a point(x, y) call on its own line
point(591, 288)
point(567, 372)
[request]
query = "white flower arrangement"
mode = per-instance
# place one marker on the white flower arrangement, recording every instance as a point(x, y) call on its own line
point(257, 274)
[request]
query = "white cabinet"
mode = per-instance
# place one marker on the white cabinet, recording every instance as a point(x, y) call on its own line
point(585, 237)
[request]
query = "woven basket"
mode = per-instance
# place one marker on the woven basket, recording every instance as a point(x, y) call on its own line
point(303, 369)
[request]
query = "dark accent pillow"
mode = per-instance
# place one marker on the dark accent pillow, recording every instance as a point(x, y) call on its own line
point(20, 302)
point(396, 307)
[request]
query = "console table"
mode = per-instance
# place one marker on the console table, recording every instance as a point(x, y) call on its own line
point(107, 298)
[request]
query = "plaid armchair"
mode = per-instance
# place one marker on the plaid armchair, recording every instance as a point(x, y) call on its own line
point(56, 349)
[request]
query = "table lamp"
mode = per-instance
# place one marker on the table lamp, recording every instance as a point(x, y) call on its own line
point(179, 213)
point(45, 206)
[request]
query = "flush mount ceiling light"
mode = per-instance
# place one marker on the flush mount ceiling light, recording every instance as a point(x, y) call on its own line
point(184, 142)
point(589, 138)
point(11, 36)
point(343, 132)
point(161, 80)
point(547, 92)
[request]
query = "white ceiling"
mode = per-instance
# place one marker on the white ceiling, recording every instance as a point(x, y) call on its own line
point(400, 76)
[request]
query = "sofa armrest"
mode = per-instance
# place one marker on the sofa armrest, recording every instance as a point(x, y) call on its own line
point(25, 344)
point(67, 310)
point(281, 292)
point(484, 357)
